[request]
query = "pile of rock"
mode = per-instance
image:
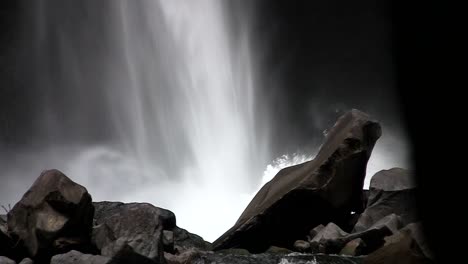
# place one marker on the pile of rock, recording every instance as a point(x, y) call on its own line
point(315, 212)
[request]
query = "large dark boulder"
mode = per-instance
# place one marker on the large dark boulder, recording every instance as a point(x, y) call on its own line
point(55, 214)
point(133, 231)
point(301, 197)
point(400, 248)
point(390, 191)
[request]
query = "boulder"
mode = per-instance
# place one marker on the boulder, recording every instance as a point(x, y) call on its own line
point(279, 250)
point(313, 232)
point(390, 191)
point(27, 261)
point(325, 189)
point(302, 246)
point(183, 258)
point(399, 249)
point(184, 240)
point(354, 247)
point(416, 232)
point(5, 260)
point(76, 257)
point(131, 231)
point(328, 240)
point(54, 212)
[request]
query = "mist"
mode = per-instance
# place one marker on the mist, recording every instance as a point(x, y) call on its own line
point(189, 105)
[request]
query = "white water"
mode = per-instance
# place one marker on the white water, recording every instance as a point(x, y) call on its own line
point(177, 90)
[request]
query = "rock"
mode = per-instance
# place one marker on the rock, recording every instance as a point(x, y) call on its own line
point(168, 241)
point(328, 240)
point(183, 258)
point(315, 231)
point(302, 246)
point(279, 250)
point(27, 261)
point(354, 247)
point(76, 257)
point(401, 249)
point(185, 240)
point(300, 197)
point(133, 231)
point(391, 191)
point(5, 260)
point(416, 232)
point(54, 209)
point(234, 251)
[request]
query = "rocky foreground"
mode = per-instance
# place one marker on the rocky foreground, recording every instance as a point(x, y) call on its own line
point(315, 212)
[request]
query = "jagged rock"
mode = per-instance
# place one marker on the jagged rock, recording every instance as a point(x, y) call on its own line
point(185, 240)
point(313, 232)
point(330, 238)
point(399, 249)
point(391, 191)
point(131, 231)
point(354, 247)
point(302, 246)
point(76, 257)
point(5, 260)
point(300, 197)
point(54, 210)
point(27, 261)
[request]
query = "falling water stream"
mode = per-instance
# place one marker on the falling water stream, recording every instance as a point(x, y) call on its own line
point(150, 101)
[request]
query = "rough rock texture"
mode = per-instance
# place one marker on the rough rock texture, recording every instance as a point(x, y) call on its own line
point(390, 191)
point(185, 240)
point(354, 247)
point(401, 249)
point(76, 257)
point(5, 260)
point(132, 231)
point(301, 197)
point(264, 258)
point(54, 214)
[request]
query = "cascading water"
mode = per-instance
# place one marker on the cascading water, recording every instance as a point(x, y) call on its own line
point(151, 101)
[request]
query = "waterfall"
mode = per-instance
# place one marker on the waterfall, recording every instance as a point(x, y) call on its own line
point(149, 101)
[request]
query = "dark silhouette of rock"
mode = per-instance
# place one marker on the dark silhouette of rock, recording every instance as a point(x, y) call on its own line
point(53, 212)
point(400, 248)
point(416, 232)
point(5, 260)
point(168, 241)
point(132, 231)
point(27, 261)
point(390, 191)
point(301, 197)
point(76, 257)
point(354, 247)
